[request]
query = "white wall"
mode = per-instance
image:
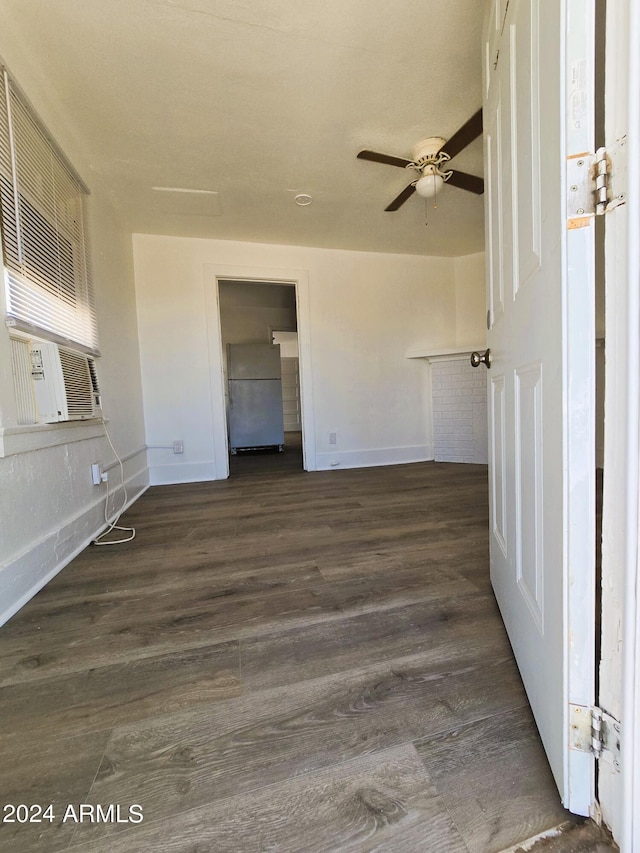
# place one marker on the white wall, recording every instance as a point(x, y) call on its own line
point(365, 312)
point(49, 510)
point(470, 288)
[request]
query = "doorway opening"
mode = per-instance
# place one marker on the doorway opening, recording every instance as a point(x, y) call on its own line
point(259, 334)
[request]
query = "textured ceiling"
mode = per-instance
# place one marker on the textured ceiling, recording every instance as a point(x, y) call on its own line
point(257, 100)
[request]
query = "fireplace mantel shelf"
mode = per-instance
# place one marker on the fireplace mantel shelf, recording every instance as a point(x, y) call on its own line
point(444, 352)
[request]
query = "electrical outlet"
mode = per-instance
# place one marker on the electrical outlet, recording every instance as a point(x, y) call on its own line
point(96, 473)
point(178, 446)
point(332, 438)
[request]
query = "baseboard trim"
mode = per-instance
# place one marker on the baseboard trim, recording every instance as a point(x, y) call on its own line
point(24, 576)
point(198, 472)
point(374, 458)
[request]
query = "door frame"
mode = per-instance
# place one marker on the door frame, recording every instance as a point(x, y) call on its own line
point(215, 273)
point(619, 793)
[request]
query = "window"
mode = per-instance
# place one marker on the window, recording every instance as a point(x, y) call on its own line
point(42, 205)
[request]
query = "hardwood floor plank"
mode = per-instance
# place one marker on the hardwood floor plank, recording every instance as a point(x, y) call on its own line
point(98, 698)
point(164, 570)
point(476, 570)
point(446, 628)
point(178, 593)
point(236, 599)
point(379, 802)
point(132, 630)
point(495, 779)
point(452, 556)
point(52, 770)
point(186, 760)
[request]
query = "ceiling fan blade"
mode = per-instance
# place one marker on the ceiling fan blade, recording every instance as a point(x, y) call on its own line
point(399, 200)
point(469, 131)
point(387, 159)
point(466, 182)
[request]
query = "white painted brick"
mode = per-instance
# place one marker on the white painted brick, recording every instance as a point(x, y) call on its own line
point(459, 396)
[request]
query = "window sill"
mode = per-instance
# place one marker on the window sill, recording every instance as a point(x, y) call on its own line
point(25, 439)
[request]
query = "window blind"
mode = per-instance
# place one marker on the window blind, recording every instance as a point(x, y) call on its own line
point(42, 205)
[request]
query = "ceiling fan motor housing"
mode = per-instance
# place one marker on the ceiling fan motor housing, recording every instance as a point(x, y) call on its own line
point(428, 159)
point(425, 152)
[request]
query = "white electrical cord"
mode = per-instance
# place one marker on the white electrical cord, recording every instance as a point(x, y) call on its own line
point(113, 525)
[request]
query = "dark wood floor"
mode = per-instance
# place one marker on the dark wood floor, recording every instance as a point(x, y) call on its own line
point(269, 460)
point(279, 662)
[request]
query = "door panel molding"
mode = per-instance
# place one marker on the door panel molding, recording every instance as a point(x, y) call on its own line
point(493, 215)
point(498, 462)
point(525, 142)
point(529, 489)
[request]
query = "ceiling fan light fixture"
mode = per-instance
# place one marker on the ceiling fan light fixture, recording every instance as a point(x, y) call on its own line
point(429, 158)
point(429, 185)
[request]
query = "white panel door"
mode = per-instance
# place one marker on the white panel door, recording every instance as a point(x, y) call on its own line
point(538, 104)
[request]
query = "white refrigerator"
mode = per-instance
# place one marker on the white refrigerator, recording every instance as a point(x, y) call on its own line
point(255, 397)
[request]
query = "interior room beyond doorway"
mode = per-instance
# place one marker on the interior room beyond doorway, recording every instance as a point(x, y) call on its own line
point(263, 313)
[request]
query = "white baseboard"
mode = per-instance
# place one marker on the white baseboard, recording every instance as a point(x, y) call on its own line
point(25, 575)
point(374, 458)
point(183, 472)
point(197, 472)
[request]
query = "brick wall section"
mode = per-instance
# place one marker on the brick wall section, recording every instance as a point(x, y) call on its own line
point(459, 411)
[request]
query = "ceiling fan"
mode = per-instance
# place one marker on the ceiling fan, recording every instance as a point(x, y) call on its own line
point(429, 156)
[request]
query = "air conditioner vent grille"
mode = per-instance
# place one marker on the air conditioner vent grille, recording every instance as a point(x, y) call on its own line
point(22, 382)
point(94, 376)
point(78, 384)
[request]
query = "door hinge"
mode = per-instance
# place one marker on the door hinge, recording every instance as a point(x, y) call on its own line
point(610, 176)
point(594, 730)
point(596, 183)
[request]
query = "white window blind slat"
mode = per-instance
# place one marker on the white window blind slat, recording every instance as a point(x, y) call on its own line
point(43, 231)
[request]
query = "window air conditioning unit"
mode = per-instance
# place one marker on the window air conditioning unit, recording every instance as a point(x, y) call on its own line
point(65, 383)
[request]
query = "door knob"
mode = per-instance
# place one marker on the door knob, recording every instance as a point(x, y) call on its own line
point(477, 359)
